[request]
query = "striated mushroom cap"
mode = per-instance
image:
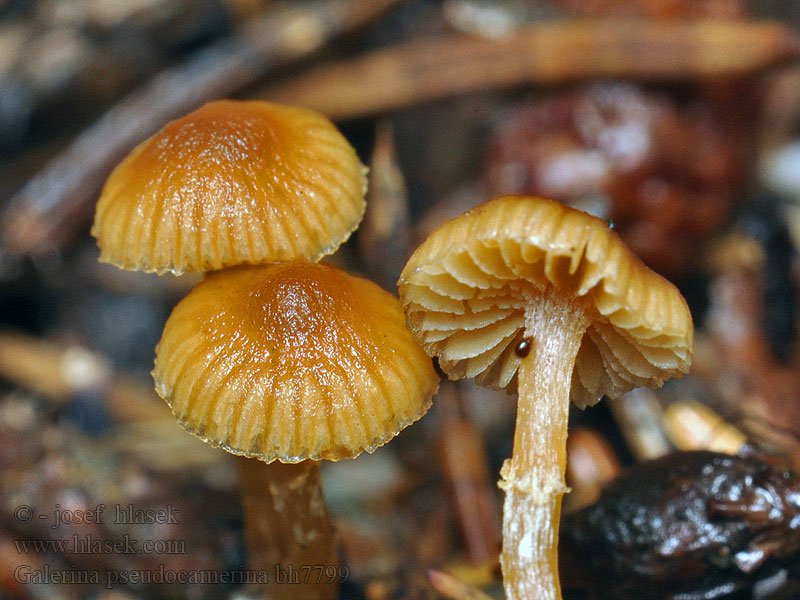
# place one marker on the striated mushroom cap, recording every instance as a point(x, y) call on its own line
point(464, 291)
point(231, 183)
point(292, 361)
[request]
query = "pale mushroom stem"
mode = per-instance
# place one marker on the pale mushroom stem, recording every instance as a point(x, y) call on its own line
point(533, 478)
point(289, 535)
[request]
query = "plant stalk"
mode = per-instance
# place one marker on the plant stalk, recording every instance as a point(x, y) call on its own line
point(289, 535)
point(533, 478)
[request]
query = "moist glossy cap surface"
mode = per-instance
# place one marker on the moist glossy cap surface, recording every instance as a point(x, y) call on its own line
point(292, 361)
point(465, 289)
point(231, 183)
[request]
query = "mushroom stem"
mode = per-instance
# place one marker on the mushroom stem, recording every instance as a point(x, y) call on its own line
point(289, 535)
point(533, 478)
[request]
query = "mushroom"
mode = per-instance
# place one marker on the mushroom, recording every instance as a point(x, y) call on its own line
point(525, 292)
point(231, 183)
point(237, 183)
point(294, 362)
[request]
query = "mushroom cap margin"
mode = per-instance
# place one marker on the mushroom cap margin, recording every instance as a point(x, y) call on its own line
point(233, 182)
point(464, 292)
point(292, 361)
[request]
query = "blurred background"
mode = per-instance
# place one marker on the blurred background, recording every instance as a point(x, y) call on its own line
point(676, 120)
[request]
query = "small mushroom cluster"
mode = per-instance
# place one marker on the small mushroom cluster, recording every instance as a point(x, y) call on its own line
point(272, 356)
point(276, 357)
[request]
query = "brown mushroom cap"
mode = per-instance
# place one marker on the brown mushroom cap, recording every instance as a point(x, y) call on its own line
point(292, 361)
point(465, 289)
point(231, 183)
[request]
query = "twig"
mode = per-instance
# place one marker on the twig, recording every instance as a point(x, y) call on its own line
point(453, 588)
point(163, 445)
point(383, 236)
point(57, 373)
point(544, 53)
point(48, 211)
point(35, 365)
point(464, 465)
point(639, 416)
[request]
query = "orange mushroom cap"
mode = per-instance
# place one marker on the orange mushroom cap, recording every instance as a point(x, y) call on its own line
point(292, 361)
point(465, 289)
point(231, 183)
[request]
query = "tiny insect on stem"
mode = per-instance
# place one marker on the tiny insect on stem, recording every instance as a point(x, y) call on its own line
point(524, 347)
